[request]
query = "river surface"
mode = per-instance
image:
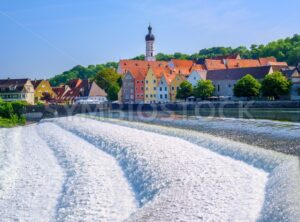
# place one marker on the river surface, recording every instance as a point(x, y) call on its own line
point(282, 136)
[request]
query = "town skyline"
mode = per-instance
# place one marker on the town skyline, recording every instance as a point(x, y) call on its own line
point(43, 40)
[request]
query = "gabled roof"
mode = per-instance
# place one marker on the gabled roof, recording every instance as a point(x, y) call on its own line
point(238, 73)
point(160, 71)
point(212, 64)
point(265, 61)
point(130, 65)
point(36, 83)
point(198, 67)
point(138, 73)
point(12, 85)
point(59, 91)
point(96, 90)
point(242, 63)
point(291, 72)
point(74, 83)
point(168, 77)
point(182, 66)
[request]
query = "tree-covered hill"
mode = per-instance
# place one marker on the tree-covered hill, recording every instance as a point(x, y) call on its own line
point(287, 50)
point(81, 72)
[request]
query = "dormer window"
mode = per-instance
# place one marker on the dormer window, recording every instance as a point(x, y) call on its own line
point(11, 88)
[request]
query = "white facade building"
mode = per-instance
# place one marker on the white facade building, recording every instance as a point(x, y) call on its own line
point(195, 76)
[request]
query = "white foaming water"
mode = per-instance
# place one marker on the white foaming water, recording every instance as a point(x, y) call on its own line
point(78, 169)
point(175, 179)
point(282, 198)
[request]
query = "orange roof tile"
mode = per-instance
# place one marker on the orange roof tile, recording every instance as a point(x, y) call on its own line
point(212, 64)
point(277, 64)
point(182, 66)
point(266, 60)
point(128, 65)
point(198, 67)
point(242, 63)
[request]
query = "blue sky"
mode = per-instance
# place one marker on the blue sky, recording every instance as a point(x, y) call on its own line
point(42, 38)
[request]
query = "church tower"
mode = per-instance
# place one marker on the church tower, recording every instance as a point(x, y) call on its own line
point(150, 45)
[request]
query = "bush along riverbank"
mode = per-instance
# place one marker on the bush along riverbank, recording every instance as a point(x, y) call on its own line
point(11, 113)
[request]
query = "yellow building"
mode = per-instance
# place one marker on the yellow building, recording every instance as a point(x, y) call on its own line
point(150, 86)
point(42, 90)
point(174, 86)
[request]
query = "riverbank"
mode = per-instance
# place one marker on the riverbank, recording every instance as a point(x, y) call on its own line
point(272, 110)
point(9, 123)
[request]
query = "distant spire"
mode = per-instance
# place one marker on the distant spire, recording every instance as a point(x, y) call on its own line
point(149, 28)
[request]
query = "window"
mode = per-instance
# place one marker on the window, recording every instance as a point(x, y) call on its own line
point(195, 78)
point(146, 81)
point(146, 88)
point(177, 88)
point(146, 95)
point(172, 87)
point(229, 85)
point(154, 88)
point(138, 81)
point(218, 87)
point(160, 88)
point(151, 95)
point(142, 81)
point(161, 96)
point(166, 96)
point(166, 88)
point(154, 81)
point(142, 88)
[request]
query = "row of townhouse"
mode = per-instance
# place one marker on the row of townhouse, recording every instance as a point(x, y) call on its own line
point(33, 91)
point(25, 90)
point(158, 81)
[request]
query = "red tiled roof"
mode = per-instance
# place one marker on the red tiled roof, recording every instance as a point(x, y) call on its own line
point(198, 67)
point(129, 65)
point(277, 64)
point(182, 66)
point(242, 63)
point(212, 64)
point(59, 91)
point(266, 60)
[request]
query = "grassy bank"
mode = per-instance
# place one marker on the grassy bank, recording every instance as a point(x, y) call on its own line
point(11, 113)
point(7, 123)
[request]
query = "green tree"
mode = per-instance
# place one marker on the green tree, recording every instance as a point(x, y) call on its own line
point(275, 85)
point(81, 72)
point(204, 89)
point(112, 92)
point(185, 90)
point(6, 110)
point(109, 80)
point(247, 86)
